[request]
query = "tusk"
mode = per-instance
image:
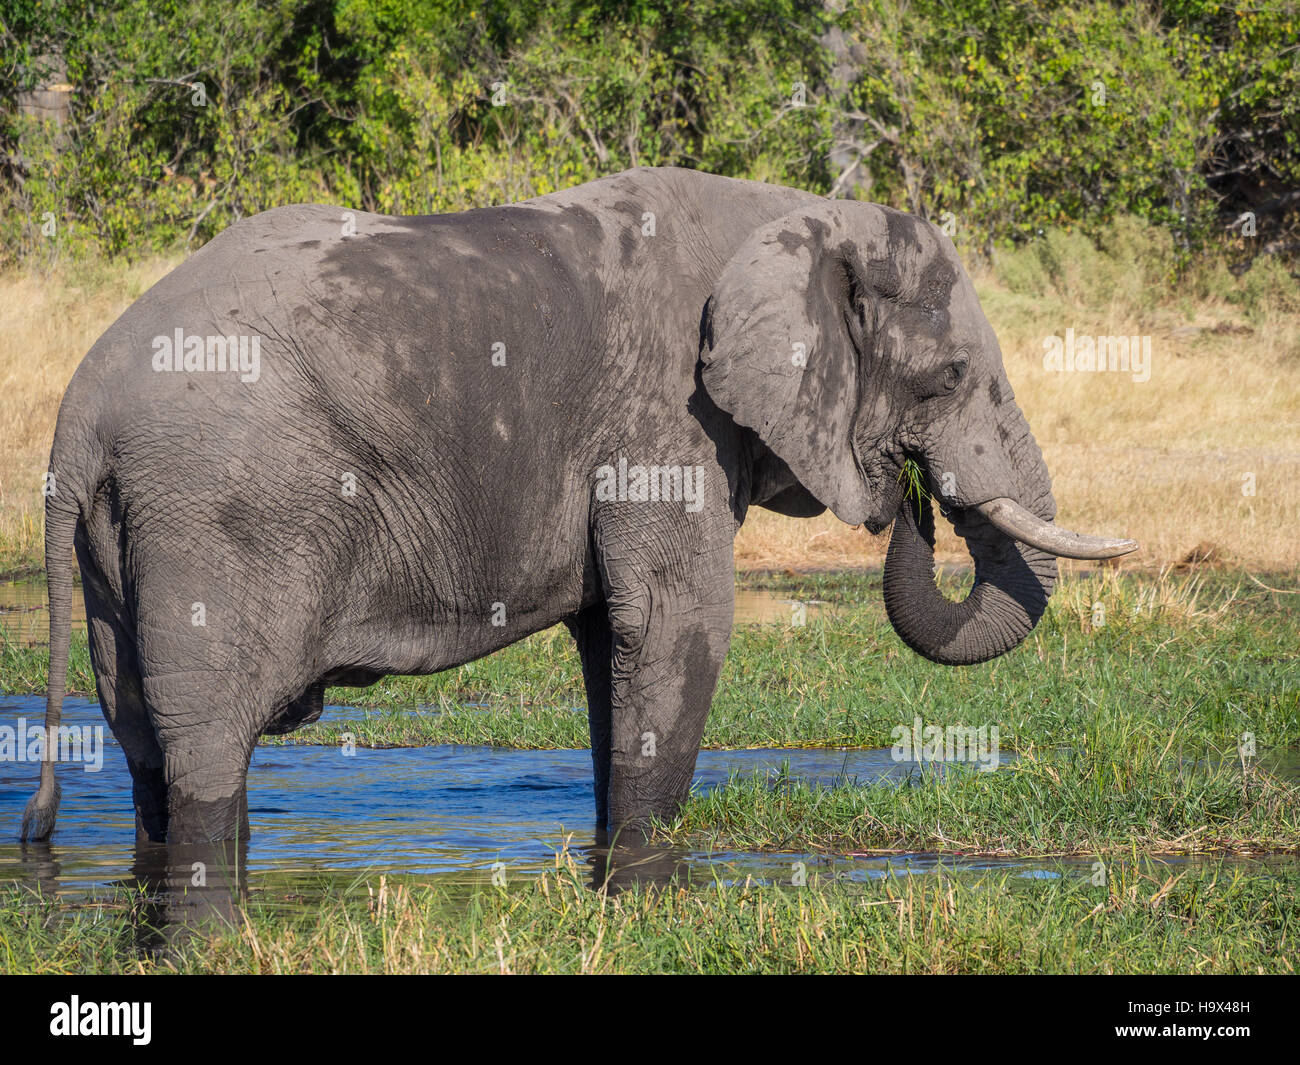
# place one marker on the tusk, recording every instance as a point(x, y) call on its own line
point(1011, 518)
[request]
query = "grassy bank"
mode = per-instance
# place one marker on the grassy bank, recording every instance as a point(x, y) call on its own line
point(1195, 921)
point(1121, 798)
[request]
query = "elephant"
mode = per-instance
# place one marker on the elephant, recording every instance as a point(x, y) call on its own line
point(334, 445)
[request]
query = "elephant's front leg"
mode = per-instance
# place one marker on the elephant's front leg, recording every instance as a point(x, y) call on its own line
point(670, 607)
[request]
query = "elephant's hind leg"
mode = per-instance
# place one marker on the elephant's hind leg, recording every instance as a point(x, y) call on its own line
point(206, 751)
point(592, 633)
point(227, 640)
point(210, 689)
point(117, 681)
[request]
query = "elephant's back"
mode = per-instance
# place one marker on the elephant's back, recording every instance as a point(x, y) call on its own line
point(313, 348)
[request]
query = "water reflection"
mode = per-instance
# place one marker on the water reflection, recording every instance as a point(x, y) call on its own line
point(25, 612)
point(762, 607)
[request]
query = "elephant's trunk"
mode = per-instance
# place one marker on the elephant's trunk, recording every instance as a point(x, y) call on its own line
point(1012, 585)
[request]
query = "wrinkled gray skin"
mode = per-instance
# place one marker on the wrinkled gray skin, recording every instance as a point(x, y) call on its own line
point(475, 483)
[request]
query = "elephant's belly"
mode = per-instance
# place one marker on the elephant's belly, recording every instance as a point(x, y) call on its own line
point(429, 638)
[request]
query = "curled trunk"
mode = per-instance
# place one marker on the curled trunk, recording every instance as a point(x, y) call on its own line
point(1012, 584)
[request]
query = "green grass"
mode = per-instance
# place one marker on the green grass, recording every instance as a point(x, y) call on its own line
point(912, 478)
point(1100, 799)
point(1199, 920)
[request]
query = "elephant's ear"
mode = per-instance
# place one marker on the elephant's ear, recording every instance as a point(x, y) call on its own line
point(781, 341)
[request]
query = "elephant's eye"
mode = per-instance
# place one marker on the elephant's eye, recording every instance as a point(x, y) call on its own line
point(953, 373)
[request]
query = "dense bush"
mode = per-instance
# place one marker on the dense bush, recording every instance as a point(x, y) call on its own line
point(1002, 119)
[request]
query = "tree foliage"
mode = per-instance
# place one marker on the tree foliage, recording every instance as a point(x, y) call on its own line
point(1003, 118)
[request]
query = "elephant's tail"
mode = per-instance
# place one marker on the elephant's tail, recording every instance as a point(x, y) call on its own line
point(61, 516)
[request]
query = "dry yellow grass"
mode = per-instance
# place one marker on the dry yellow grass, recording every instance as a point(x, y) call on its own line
point(1164, 461)
point(47, 323)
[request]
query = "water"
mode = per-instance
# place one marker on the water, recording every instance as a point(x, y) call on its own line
point(422, 810)
point(25, 612)
point(762, 607)
point(446, 811)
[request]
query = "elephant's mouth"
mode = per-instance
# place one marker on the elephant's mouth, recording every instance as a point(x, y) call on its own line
point(888, 473)
point(1015, 554)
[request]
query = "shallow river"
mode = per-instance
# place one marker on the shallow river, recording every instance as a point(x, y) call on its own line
point(317, 813)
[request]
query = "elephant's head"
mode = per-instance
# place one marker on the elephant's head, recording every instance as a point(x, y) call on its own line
point(849, 338)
